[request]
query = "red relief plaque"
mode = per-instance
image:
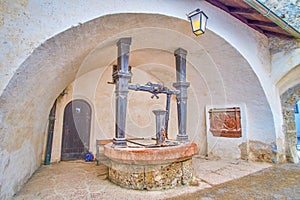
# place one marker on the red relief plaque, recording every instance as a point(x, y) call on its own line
point(225, 122)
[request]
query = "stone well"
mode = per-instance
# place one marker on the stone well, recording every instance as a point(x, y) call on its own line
point(152, 168)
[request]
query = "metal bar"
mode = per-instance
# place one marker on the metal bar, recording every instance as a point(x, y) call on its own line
point(167, 115)
point(144, 145)
point(103, 142)
point(97, 153)
point(153, 88)
point(215, 110)
point(50, 133)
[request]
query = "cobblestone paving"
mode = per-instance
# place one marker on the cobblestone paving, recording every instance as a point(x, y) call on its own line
point(277, 182)
point(80, 180)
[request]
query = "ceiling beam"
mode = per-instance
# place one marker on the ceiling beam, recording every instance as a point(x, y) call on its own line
point(235, 14)
point(242, 10)
point(262, 23)
point(218, 4)
point(247, 16)
point(277, 34)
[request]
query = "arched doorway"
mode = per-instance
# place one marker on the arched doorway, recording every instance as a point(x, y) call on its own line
point(76, 130)
point(288, 102)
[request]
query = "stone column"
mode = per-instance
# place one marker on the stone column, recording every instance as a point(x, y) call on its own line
point(181, 98)
point(160, 116)
point(121, 90)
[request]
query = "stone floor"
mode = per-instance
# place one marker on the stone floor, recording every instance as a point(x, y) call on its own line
point(280, 182)
point(82, 180)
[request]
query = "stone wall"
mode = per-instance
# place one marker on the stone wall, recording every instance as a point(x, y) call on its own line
point(151, 177)
point(287, 10)
point(289, 100)
point(282, 45)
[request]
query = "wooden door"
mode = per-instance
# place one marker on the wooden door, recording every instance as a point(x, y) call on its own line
point(76, 130)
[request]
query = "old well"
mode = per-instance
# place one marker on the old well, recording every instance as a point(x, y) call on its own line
point(153, 163)
point(151, 168)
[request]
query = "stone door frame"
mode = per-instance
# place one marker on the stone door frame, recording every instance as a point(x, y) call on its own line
point(288, 101)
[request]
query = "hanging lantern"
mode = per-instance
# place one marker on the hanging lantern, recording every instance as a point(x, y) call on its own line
point(198, 21)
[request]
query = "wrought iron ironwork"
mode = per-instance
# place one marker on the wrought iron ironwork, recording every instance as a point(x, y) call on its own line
point(121, 76)
point(156, 89)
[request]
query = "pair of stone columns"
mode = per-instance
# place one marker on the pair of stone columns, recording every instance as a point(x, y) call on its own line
point(121, 92)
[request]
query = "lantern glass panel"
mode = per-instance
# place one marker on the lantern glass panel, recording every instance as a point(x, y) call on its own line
point(203, 19)
point(195, 22)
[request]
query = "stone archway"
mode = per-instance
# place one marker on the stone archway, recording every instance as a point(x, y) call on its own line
point(28, 97)
point(288, 101)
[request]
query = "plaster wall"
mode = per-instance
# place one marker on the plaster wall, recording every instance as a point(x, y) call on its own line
point(83, 88)
point(222, 147)
point(290, 79)
point(285, 74)
point(26, 24)
point(283, 62)
point(94, 88)
point(157, 65)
